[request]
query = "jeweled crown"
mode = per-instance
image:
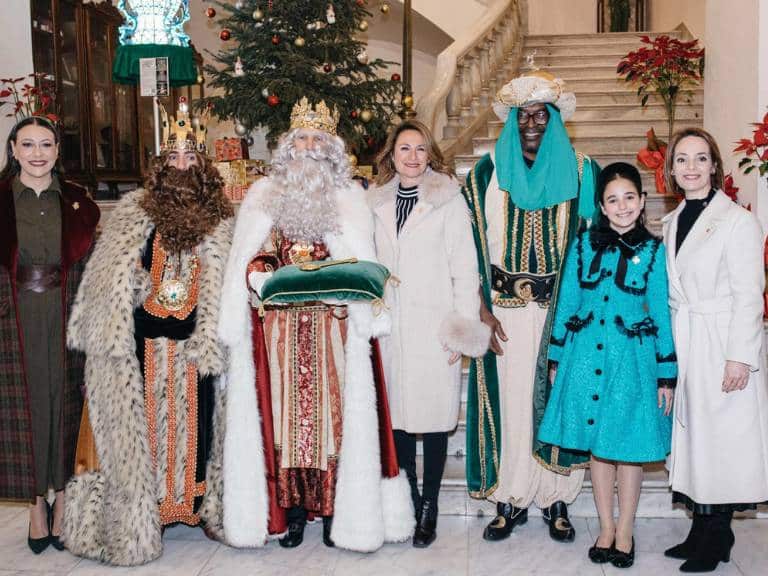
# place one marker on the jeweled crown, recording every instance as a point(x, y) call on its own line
point(320, 117)
point(182, 133)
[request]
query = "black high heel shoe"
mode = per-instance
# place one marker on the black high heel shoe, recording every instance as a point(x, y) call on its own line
point(37, 545)
point(622, 559)
point(600, 555)
point(55, 540)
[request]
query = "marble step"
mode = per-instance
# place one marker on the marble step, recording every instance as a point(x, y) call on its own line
point(591, 39)
point(598, 128)
point(588, 145)
point(633, 111)
point(544, 51)
point(576, 66)
point(624, 94)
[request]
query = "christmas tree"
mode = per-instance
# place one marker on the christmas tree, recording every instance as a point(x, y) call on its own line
point(277, 52)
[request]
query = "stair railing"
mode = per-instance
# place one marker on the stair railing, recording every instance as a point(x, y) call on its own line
point(469, 72)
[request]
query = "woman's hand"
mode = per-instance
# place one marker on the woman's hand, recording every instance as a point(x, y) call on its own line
point(666, 397)
point(455, 357)
point(496, 330)
point(735, 376)
point(552, 372)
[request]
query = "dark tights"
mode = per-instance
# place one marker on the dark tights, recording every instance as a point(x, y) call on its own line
point(435, 451)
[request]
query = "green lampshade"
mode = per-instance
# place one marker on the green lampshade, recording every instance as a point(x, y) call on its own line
point(181, 63)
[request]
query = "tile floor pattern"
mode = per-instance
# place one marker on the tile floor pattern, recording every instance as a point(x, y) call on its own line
point(458, 550)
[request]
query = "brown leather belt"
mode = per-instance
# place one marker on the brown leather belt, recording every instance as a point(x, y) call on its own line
point(38, 278)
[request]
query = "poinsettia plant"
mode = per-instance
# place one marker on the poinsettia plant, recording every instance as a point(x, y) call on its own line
point(28, 99)
point(755, 149)
point(666, 65)
point(652, 158)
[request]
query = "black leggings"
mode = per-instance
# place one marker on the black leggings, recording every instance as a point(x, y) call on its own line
point(435, 451)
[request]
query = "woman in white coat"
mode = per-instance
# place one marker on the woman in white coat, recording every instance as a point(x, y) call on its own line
point(719, 460)
point(424, 236)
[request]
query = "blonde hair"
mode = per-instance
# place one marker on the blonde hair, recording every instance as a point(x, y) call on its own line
point(385, 163)
point(716, 179)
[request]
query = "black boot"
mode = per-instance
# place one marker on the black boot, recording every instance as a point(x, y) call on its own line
point(327, 525)
point(413, 482)
point(297, 520)
point(560, 528)
point(425, 527)
point(714, 545)
point(507, 517)
point(685, 549)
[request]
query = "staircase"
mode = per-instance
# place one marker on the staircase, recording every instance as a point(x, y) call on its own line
point(609, 123)
point(610, 126)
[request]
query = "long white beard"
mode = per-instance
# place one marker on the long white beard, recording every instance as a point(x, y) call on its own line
point(304, 205)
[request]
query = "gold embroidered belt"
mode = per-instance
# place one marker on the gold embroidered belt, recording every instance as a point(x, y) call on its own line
point(523, 285)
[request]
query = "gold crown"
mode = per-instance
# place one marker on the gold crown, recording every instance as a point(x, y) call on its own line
point(319, 118)
point(183, 133)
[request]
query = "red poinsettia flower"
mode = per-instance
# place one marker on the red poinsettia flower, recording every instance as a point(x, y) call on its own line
point(730, 190)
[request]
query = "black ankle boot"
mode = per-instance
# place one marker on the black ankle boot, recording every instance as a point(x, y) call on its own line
point(425, 527)
point(297, 520)
point(507, 517)
point(327, 525)
point(560, 527)
point(685, 549)
point(714, 545)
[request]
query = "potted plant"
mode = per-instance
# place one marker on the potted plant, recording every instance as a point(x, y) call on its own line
point(755, 151)
point(666, 65)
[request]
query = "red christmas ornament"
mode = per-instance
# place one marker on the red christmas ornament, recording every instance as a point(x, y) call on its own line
point(353, 114)
point(225, 34)
point(370, 141)
point(273, 100)
point(275, 39)
point(182, 99)
point(395, 77)
point(327, 67)
point(361, 2)
point(210, 12)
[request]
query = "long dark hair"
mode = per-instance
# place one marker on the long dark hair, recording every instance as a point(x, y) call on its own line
point(12, 166)
point(609, 174)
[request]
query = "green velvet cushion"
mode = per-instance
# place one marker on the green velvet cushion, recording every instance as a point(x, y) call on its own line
point(342, 280)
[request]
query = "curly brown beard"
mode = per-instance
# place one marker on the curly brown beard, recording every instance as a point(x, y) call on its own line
point(185, 205)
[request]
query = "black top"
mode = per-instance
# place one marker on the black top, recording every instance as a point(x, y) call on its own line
point(688, 216)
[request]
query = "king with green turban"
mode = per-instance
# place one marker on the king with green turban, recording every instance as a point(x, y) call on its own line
point(528, 199)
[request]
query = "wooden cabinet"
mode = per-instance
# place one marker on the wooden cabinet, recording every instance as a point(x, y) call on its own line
point(107, 132)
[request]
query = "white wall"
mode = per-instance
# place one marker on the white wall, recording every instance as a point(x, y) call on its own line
point(15, 53)
point(665, 15)
point(736, 83)
point(562, 16)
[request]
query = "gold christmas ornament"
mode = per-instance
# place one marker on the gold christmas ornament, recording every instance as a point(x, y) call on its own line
point(352, 160)
point(363, 26)
point(258, 14)
point(363, 57)
point(320, 117)
point(299, 41)
point(200, 79)
point(366, 116)
point(408, 101)
point(384, 8)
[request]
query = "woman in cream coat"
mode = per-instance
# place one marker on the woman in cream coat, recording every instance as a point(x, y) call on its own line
point(719, 460)
point(424, 236)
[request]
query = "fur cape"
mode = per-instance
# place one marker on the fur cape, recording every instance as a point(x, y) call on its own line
point(112, 515)
point(368, 509)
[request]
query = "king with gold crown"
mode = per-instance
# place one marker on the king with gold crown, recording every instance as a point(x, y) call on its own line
point(320, 444)
point(146, 316)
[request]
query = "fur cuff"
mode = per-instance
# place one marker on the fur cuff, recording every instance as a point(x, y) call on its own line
point(399, 519)
point(470, 337)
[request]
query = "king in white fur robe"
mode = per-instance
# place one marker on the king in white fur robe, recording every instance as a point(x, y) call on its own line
point(112, 515)
point(368, 509)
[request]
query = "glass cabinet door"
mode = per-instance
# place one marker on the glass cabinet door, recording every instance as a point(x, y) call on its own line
point(44, 42)
point(100, 68)
point(73, 150)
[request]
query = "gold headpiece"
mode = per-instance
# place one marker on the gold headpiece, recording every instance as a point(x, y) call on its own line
point(184, 132)
point(319, 118)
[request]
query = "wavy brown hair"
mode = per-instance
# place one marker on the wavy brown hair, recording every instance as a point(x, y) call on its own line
point(385, 164)
point(185, 205)
point(716, 179)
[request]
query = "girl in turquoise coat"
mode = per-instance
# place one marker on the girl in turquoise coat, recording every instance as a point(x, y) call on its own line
point(612, 357)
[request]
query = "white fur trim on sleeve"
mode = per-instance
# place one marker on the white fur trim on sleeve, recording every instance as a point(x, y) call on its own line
point(470, 337)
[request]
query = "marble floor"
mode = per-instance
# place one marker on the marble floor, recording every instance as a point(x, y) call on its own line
point(458, 550)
